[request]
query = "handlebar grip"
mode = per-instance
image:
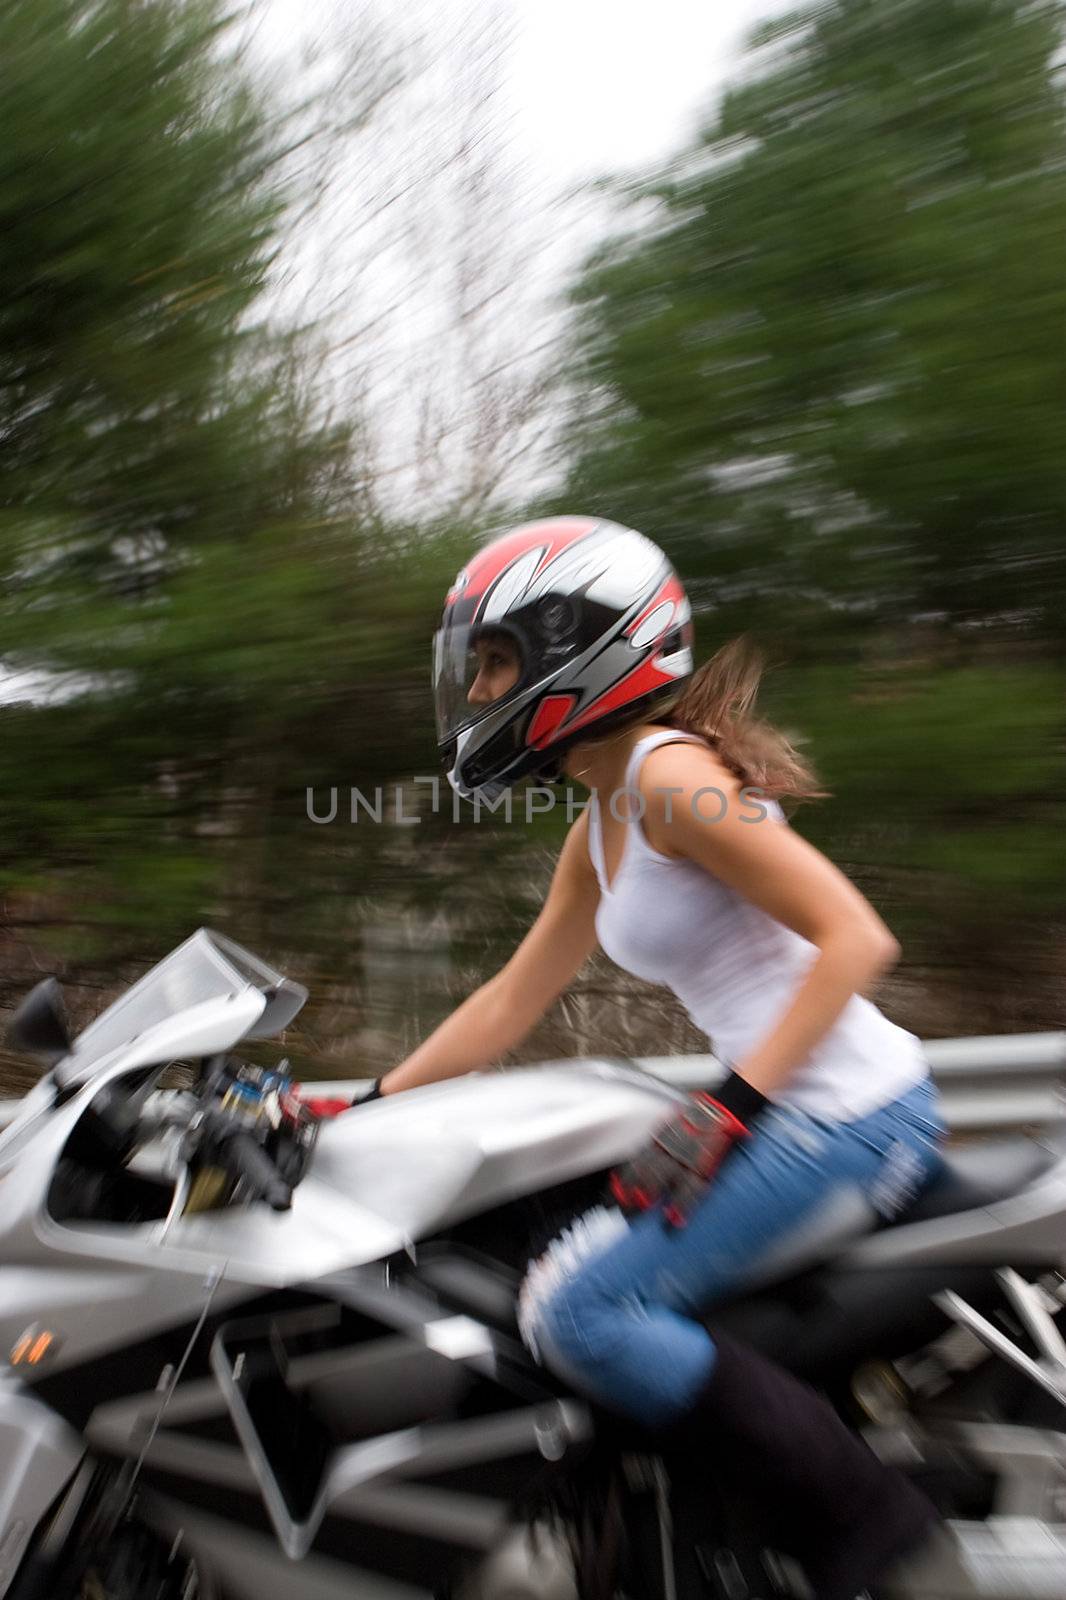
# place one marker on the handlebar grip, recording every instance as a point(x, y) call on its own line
point(248, 1160)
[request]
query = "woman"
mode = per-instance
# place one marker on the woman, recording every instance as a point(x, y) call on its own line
point(565, 648)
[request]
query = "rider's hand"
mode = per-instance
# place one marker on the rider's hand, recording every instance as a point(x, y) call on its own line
point(684, 1155)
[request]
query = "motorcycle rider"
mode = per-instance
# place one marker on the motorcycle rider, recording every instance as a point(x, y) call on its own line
point(565, 648)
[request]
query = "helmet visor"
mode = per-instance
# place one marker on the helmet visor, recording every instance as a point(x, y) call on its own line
point(475, 669)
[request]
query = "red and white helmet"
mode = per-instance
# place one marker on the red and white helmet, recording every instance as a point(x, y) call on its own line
point(604, 634)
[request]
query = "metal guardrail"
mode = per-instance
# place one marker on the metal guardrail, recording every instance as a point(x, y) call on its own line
point(996, 1084)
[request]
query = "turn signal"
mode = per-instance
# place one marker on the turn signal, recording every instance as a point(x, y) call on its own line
point(32, 1347)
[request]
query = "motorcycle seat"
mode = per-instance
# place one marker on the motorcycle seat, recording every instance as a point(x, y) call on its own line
point(980, 1174)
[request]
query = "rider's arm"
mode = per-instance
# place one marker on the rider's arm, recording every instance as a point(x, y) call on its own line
point(781, 872)
point(498, 1016)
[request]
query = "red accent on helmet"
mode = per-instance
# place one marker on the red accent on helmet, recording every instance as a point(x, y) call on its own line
point(553, 710)
point(644, 679)
point(481, 570)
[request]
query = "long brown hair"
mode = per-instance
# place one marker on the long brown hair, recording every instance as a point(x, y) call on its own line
point(718, 703)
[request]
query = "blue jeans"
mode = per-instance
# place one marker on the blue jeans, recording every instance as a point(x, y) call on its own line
point(623, 1329)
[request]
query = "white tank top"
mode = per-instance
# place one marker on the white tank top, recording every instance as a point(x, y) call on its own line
point(735, 968)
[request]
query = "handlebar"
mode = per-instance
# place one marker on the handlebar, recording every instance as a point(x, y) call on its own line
point(244, 1157)
point(248, 1160)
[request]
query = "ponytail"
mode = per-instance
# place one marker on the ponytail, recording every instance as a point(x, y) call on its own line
point(717, 703)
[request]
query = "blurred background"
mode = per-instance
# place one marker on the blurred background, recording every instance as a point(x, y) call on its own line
point(298, 304)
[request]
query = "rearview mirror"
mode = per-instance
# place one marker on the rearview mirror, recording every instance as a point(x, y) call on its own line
point(39, 1026)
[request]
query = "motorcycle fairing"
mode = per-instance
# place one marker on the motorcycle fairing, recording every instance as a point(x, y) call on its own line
point(40, 1454)
point(389, 1174)
point(437, 1418)
point(383, 1176)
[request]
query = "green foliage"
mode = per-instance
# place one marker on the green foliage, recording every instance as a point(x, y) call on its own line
point(184, 538)
point(136, 218)
point(957, 770)
point(828, 366)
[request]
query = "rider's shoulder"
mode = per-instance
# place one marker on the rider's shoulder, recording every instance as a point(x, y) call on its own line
point(684, 762)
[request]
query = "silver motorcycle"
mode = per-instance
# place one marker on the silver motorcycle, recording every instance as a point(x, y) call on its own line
point(253, 1355)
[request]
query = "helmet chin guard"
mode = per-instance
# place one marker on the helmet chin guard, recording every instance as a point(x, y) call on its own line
point(603, 631)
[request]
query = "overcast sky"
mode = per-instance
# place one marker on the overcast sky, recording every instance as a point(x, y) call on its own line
point(597, 84)
point(590, 87)
point(605, 84)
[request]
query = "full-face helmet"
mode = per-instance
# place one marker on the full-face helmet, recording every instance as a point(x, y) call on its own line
point(602, 632)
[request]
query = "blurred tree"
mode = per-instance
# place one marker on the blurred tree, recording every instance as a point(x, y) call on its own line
point(826, 364)
point(822, 360)
point(137, 228)
point(195, 566)
point(207, 605)
point(425, 248)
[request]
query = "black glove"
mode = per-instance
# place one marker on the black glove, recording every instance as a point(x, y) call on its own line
point(677, 1167)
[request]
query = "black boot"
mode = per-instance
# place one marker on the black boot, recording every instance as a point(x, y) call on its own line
point(840, 1510)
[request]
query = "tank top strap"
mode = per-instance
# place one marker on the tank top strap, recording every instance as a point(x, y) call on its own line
point(642, 748)
point(650, 742)
point(595, 841)
point(634, 814)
